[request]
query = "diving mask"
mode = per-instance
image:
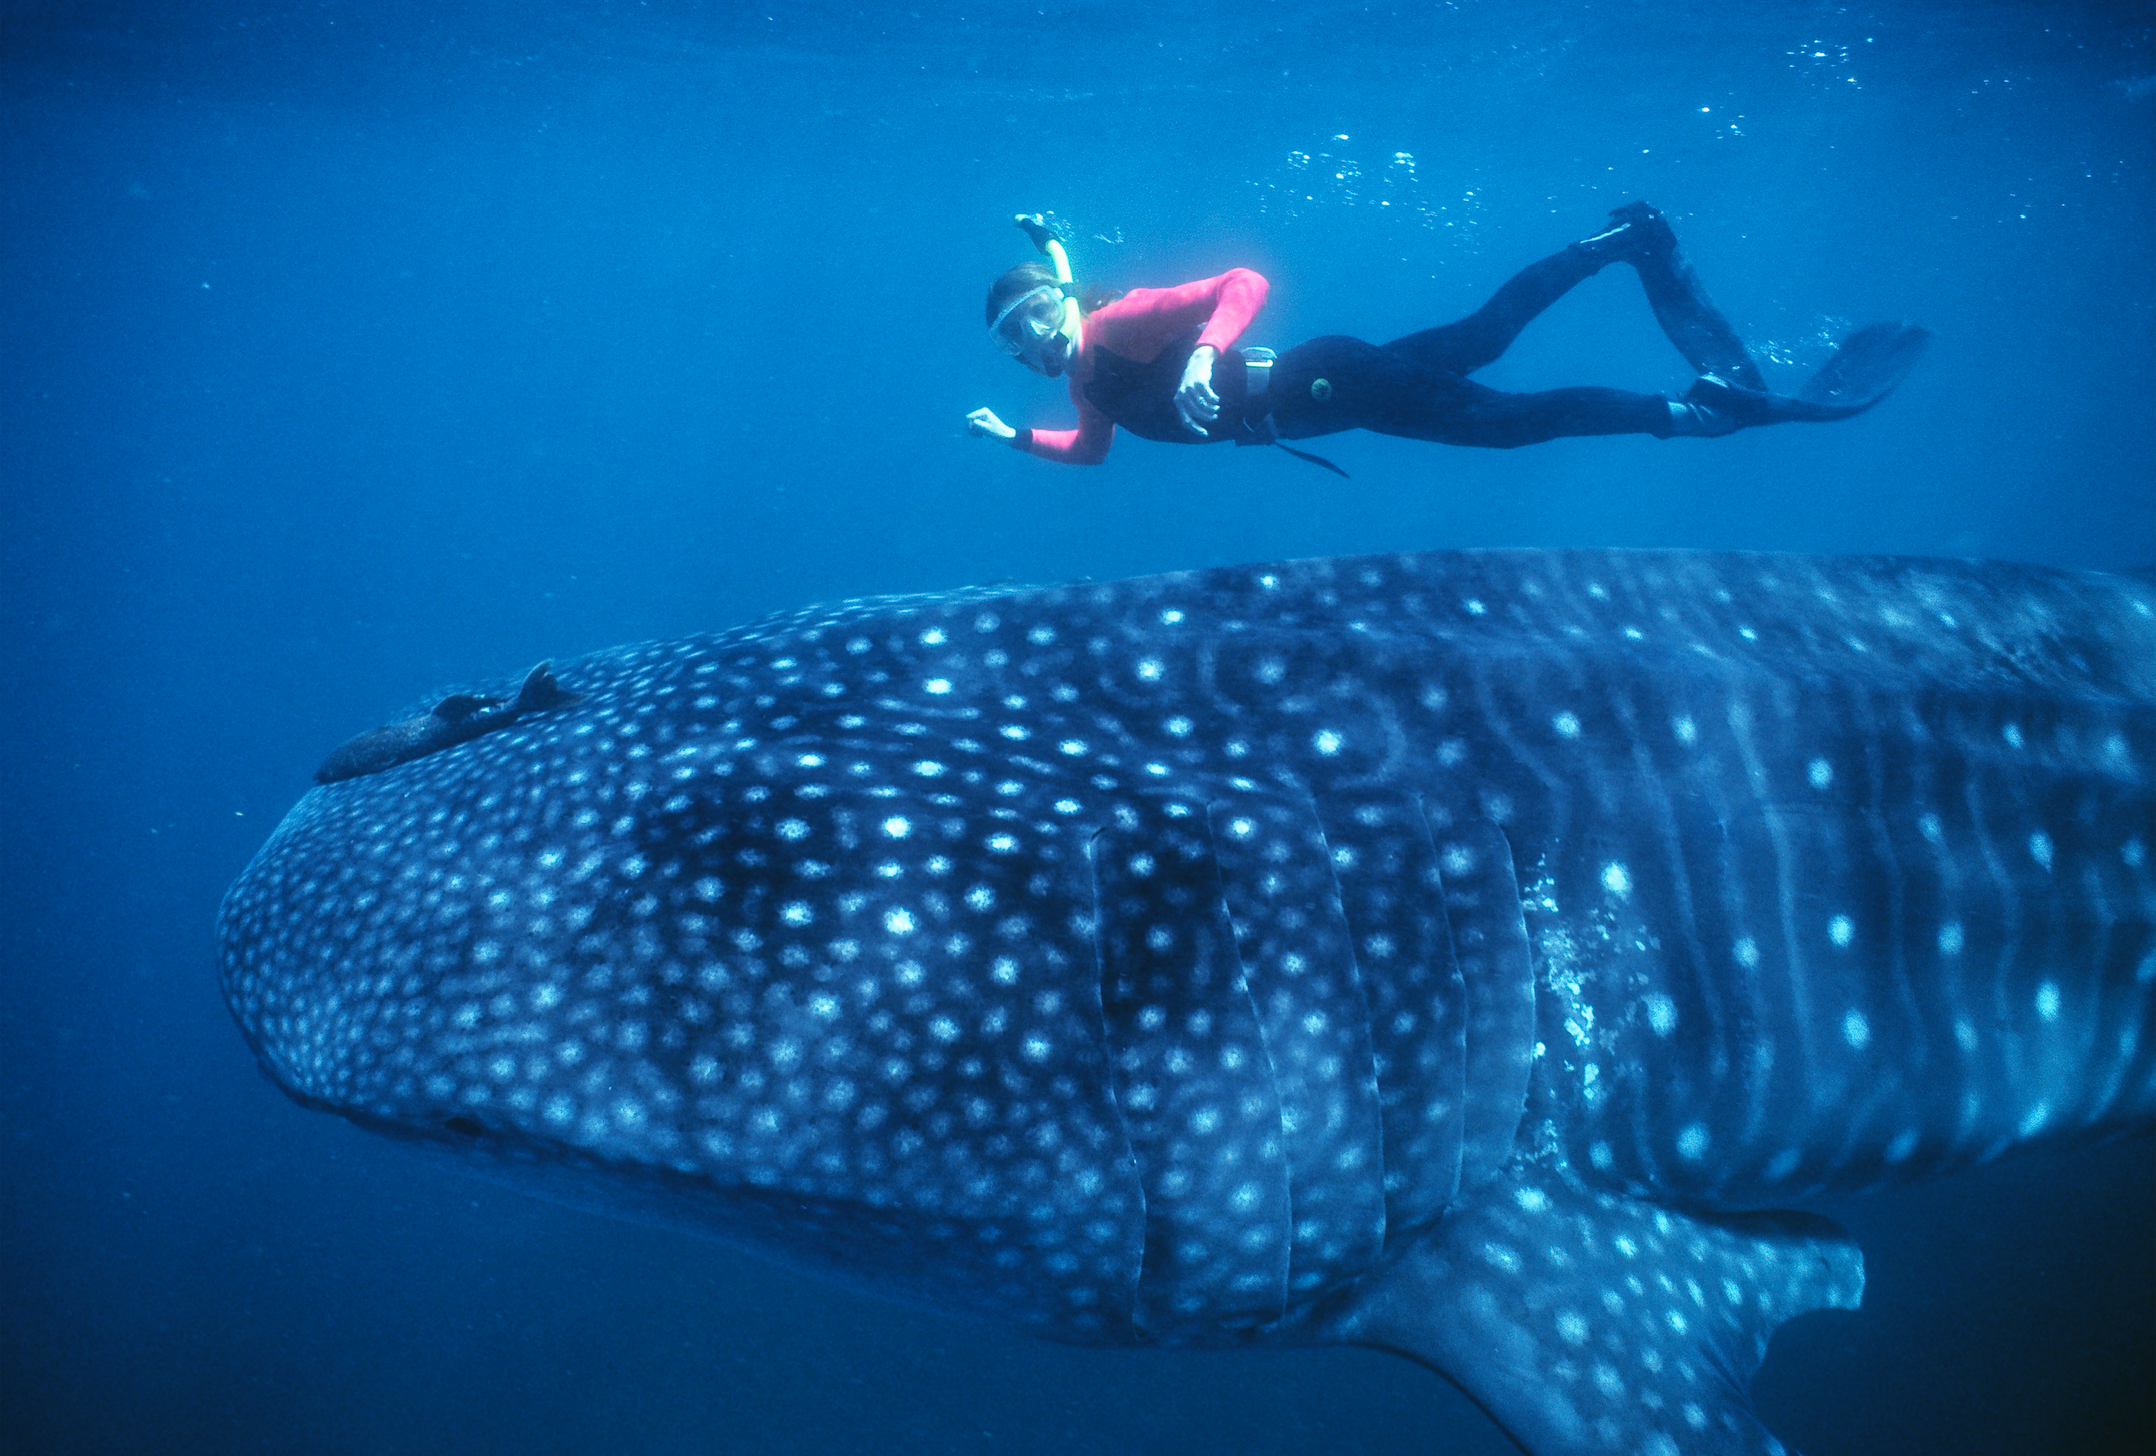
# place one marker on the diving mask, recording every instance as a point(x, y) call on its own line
point(1029, 321)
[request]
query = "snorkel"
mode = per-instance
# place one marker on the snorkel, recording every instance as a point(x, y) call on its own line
point(1025, 334)
point(1050, 245)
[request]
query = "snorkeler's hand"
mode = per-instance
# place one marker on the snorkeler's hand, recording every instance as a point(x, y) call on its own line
point(984, 422)
point(1194, 398)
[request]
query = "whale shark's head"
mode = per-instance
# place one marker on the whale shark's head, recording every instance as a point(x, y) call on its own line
point(784, 930)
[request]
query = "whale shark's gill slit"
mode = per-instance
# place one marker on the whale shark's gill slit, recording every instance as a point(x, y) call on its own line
point(1194, 1081)
point(1392, 894)
point(1278, 882)
point(1489, 936)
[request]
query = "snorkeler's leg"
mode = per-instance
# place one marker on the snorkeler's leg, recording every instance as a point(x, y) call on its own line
point(1698, 329)
point(1478, 339)
point(1465, 346)
point(1478, 416)
point(1636, 231)
point(1344, 384)
point(1336, 383)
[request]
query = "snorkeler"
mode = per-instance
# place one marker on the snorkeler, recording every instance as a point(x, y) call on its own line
point(1149, 360)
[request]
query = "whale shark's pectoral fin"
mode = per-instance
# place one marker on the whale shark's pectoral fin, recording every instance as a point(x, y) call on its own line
point(1585, 1322)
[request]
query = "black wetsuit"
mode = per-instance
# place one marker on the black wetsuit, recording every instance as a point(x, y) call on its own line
point(1416, 387)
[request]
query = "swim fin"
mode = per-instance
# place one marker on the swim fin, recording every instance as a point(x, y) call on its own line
point(1866, 368)
point(1862, 372)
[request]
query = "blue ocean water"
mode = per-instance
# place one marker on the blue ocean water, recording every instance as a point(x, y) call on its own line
point(351, 349)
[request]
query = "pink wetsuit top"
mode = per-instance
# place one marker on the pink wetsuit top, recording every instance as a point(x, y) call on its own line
point(1138, 326)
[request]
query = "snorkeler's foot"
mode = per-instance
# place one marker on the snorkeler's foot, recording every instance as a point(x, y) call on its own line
point(1865, 370)
point(1636, 231)
point(1713, 406)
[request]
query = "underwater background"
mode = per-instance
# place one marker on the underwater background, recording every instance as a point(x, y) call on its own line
point(349, 349)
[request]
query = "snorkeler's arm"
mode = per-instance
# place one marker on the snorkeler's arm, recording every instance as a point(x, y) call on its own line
point(1238, 295)
point(1146, 320)
point(1086, 445)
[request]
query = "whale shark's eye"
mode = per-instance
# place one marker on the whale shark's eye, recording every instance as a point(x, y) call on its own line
point(464, 1127)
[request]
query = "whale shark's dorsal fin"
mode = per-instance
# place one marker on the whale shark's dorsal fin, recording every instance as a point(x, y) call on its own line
point(541, 690)
point(1587, 1322)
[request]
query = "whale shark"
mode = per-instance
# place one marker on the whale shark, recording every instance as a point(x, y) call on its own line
point(1477, 955)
